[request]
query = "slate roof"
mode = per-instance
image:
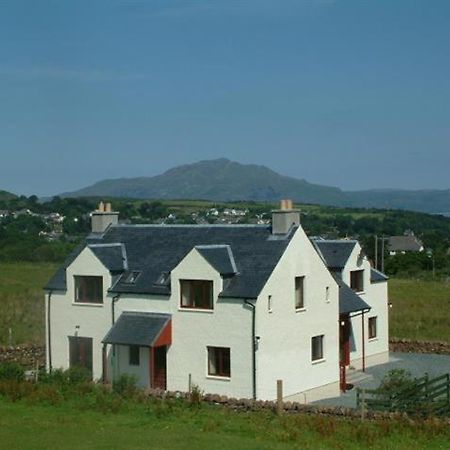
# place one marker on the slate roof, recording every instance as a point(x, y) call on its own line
point(155, 250)
point(405, 244)
point(136, 328)
point(334, 252)
point(112, 256)
point(349, 301)
point(377, 277)
point(220, 257)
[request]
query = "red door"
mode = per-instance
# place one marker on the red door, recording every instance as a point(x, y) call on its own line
point(159, 367)
point(344, 340)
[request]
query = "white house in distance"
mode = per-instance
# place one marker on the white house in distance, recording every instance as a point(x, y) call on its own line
point(231, 307)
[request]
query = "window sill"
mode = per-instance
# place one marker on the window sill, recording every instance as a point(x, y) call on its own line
point(96, 305)
point(318, 361)
point(299, 310)
point(218, 377)
point(374, 339)
point(200, 310)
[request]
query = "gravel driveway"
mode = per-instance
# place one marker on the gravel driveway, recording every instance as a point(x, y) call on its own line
point(416, 363)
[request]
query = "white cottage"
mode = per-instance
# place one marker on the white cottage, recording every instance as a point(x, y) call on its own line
point(231, 307)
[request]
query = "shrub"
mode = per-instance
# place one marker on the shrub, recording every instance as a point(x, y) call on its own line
point(125, 385)
point(196, 395)
point(77, 375)
point(12, 371)
point(396, 381)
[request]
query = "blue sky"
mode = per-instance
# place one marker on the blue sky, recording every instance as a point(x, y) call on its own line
point(349, 93)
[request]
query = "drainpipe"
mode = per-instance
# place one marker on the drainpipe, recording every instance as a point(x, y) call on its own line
point(252, 305)
point(113, 320)
point(363, 345)
point(49, 340)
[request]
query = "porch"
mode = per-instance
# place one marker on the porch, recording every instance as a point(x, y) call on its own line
point(138, 344)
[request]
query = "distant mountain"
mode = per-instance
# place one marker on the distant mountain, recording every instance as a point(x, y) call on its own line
point(225, 180)
point(5, 195)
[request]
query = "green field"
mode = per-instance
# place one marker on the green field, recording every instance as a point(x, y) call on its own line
point(28, 424)
point(22, 301)
point(420, 309)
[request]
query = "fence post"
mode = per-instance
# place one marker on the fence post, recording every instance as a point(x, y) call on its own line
point(448, 388)
point(279, 397)
point(190, 383)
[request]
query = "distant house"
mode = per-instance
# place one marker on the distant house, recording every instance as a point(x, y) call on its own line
point(232, 308)
point(404, 244)
point(4, 213)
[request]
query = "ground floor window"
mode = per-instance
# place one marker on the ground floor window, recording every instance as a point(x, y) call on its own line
point(80, 352)
point(219, 361)
point(133, 355)
point(372, 327)
point(317, 347)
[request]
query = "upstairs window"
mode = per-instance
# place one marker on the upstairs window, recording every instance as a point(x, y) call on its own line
point(88, 289)
point(372, 327)
point(219, 361)
point(357, 280)
point(299, 292)
point(196, 294)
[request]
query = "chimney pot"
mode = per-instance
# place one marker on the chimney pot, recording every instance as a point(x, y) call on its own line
point(284, 218)
point(103, 217)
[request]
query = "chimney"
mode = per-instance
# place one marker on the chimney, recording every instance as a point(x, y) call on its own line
point(103, 217)
point(285, 217)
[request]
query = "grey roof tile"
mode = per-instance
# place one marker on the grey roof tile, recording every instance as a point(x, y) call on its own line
point(136, 328)
point(377, 277)
point(112, 256)
point(349, 301)
point(334, 252)
point(158, 249)
point(220, 257)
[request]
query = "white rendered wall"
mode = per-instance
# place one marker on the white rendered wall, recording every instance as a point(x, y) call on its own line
point(227, 325)
point(375, 295)
point(284, 350)
point(141, 372)
point(85, 320)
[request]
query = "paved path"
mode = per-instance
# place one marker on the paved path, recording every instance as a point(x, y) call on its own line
point(416, 363)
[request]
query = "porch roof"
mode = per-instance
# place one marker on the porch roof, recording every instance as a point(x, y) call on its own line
point(349, 301)
point(137, 328)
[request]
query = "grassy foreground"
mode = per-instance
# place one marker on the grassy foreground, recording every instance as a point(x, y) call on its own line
point(22, 301)
point(420, 309)
point(75, 425)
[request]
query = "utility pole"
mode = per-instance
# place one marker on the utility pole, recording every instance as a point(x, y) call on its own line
point(376, 252)
point(382, 253)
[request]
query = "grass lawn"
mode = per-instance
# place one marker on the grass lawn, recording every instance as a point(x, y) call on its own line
point(74, 426)
point(22, 301)
point(420, 309)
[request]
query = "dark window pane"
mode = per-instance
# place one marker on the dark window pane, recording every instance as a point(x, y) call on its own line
point(88, 289)
point(196, 294)
point(134, 355)
point(219, 361)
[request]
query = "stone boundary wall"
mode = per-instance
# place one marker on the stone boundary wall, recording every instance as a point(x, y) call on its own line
point(27, 355)
point(248, 405)
point(412, 346)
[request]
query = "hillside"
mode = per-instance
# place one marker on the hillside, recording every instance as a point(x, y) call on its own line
point(224, 180)
point(6, 196)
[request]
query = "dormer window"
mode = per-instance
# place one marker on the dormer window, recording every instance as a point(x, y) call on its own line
point(132, 277)
point(88, 289)
point(196, 294)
